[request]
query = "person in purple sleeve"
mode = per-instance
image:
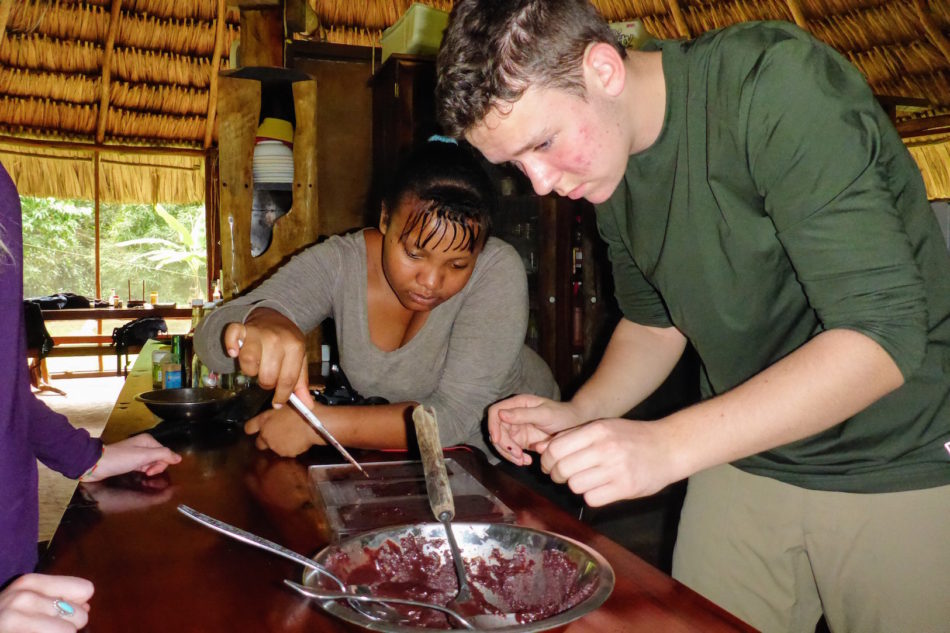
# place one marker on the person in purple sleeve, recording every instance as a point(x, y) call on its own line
point(30, 431)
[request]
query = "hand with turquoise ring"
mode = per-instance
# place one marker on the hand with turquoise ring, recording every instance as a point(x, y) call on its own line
point(44, 603)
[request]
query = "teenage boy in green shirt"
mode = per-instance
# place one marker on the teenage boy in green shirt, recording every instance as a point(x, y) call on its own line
point(756, 202)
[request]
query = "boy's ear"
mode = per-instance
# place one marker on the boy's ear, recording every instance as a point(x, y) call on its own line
point(604, 66)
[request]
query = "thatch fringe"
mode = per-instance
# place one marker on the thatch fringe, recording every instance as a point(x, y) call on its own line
point(91, 23)
point(186, 37)
point(63, 56)
point(891, 62)
point(817, 8)
point(705, 17)
point(621, 11)
point(63, 20)
point(371, 16)
point(158, 98)
point(175, 9)
point(41, 52)
point(45, 85)
point(140, 178)
point(43, 114)
point(935, 86)
point(861, 30)
point(140, 66)
point(154, 127)
point(40, 115)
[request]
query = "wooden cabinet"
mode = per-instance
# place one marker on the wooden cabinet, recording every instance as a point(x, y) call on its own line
point(542, 229)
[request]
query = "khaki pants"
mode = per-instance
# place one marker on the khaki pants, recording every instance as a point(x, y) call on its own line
point(778, 556)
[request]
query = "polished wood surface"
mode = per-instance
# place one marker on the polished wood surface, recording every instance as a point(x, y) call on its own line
point(156, 570)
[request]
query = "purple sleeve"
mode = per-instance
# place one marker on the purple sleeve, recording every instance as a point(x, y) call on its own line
point(55, 442)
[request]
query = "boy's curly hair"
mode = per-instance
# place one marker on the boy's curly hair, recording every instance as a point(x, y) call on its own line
point(494, 50)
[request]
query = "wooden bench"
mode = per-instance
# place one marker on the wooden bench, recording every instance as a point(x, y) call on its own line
point(76, 345)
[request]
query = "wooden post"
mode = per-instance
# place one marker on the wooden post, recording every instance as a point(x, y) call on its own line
point(262, 37)
point(5, 6)
point(97, 191)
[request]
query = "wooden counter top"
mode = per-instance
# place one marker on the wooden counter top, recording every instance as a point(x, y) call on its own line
point(155, 570)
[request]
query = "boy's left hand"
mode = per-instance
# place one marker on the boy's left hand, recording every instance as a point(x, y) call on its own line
point(140, 453)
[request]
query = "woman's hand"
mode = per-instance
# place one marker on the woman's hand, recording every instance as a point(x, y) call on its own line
point(271, 346)
point(283, 431)
point(39, 603)
point(140, 453)
point(521, 422)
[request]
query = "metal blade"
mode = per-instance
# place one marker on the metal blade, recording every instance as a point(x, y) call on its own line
point(315, 422)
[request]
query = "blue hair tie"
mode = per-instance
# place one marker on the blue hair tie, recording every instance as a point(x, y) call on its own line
point(442, 139)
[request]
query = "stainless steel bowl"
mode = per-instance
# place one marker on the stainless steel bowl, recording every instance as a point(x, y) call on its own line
point(594, 575)
point(186, 404)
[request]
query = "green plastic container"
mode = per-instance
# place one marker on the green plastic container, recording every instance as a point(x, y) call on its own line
point(418, 31)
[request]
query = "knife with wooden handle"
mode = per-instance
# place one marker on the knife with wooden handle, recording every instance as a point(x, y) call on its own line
point(433, 463)
point(440, 492)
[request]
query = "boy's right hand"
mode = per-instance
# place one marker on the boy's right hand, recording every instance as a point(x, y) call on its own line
point(271, 346)
point(29, 603)
point(522, 422)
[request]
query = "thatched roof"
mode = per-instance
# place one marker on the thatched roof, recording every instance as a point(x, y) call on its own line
point(110, 73)
point(113, 71)
point(901, 46)
point(144, 72)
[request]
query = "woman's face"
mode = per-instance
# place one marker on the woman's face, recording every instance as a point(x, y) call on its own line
point(424, 272)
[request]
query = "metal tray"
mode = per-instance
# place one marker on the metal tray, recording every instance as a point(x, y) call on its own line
point(395, 494)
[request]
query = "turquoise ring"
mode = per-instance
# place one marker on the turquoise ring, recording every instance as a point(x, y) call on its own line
point(63, 608)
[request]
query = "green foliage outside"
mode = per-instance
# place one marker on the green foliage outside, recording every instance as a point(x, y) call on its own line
point(162, 245)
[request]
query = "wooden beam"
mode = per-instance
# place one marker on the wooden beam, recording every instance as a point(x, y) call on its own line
point(679, 19)
point(105, 161)
point(923, 127)
point(124, 149)
point(219, 30)
point(114, 18)
point(5, 7)
point(936, 36)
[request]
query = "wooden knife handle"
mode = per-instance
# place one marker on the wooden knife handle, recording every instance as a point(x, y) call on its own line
point(433, 463)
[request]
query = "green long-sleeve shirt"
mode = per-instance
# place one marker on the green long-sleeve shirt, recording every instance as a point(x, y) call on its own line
point(779, 202)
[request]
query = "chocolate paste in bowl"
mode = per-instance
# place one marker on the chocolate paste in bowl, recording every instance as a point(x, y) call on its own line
point(418, 568)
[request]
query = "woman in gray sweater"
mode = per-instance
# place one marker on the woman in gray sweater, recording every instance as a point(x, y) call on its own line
point(428, 309)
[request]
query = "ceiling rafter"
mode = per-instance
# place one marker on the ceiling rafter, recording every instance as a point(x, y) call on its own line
point(220, 18)
point(114, 17)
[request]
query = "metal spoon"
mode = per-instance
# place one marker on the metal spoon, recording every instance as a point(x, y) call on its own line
point(382, 611)
point(329, 595)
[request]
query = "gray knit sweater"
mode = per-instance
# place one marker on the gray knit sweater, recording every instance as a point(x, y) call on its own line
point(469, 353)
